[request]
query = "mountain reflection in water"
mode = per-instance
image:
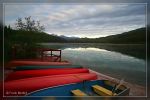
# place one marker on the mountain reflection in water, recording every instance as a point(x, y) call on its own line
point(119, 61)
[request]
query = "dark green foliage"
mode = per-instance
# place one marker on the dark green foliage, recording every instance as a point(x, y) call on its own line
point(134, 37)
point(1, 43)
point(137, 36)
point(18, 36)
point(25, 42)
point(148, 41)
point(135, 50)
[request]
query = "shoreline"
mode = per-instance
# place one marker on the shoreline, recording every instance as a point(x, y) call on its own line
point(57, 43)
point(135, 90)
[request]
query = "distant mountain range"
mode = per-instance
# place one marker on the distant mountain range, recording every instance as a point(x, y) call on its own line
point(68, 38)
point(26, 40)
point(133, 37)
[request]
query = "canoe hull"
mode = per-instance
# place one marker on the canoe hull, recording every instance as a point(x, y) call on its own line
point(11, 88)
point(65, 90)
point(34, 63)
point(45, 67)
point(45, 72)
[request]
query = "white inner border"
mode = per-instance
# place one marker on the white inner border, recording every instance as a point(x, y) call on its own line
point(73, 4)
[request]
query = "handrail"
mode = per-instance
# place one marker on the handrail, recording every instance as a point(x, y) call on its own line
point(51, 54)
point(47, 49)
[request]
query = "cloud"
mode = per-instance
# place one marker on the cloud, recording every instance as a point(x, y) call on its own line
point(87, 20)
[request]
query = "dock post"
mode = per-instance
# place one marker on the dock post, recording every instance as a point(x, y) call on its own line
point(60, 56)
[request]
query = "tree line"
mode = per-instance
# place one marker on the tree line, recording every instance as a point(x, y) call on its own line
point(29, 32)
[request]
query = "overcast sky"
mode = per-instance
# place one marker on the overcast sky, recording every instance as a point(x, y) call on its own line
point(92, 21)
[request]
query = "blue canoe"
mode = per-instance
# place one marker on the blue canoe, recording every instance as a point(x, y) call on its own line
point(45, 67)
point(86, 88)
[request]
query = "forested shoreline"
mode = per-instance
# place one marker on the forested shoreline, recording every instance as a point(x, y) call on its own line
point(26, 36)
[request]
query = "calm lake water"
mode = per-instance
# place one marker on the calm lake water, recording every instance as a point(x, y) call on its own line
point(119, 61)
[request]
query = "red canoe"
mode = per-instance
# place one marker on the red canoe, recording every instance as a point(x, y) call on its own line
point(24, 86)
point(39, 63)
point(44, 72)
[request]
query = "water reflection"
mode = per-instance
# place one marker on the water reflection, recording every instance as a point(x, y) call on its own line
point(119, 61)
point(83, 49)
point(108, 62)
point(134, 50)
